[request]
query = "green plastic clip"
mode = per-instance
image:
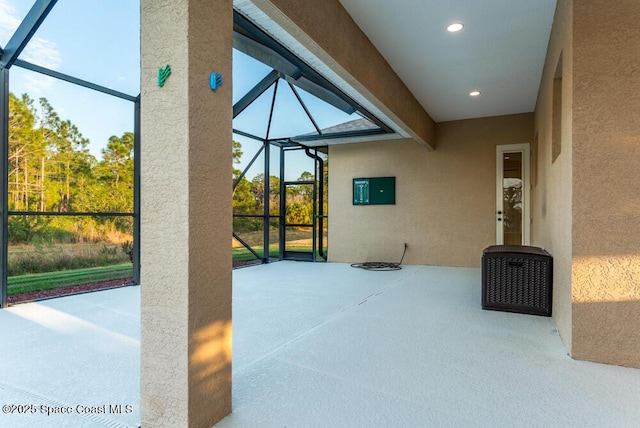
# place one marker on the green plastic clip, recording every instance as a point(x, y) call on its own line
point(163, 75)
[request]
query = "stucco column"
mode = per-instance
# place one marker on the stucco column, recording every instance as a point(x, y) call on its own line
point(186, 213)
point(606, 189)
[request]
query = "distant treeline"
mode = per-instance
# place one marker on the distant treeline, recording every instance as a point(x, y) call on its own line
point(249, 198)
point(52, 170)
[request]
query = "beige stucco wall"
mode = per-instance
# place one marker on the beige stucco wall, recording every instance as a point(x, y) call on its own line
point(586, 205)
point(186, 214)
point(445, 199)
point(322, 27)
point(551, 226)
point(606, 181)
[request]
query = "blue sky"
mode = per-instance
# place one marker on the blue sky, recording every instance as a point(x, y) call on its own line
point(95, 40)
point(98, 41)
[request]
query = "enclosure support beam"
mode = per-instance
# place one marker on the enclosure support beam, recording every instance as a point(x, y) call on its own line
point(136, 192)
point(267, 194)
point(244, 172)
point(283, 205)
point(67, 78)
point(255, 92)
point(4, 168)
point(318, 200)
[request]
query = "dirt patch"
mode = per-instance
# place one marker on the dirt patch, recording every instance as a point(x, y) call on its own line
point(245, 263)
point(65, 291)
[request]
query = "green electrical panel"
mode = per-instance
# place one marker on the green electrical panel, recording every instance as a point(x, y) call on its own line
point(374, 191)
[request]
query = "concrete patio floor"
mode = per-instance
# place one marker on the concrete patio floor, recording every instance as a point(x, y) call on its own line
point(326, 345)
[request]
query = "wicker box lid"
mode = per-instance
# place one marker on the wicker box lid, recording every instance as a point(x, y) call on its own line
point(524, 249)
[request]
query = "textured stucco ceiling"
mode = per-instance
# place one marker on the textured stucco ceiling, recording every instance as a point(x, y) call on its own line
point(500, 51)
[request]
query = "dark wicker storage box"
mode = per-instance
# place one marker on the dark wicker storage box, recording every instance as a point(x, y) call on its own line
point(517, 278)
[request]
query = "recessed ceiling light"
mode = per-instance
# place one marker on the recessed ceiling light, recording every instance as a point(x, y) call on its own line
point(474, 93)
point(455, 27)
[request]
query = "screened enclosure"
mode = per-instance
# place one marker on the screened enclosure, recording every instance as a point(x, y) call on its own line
point(70, 118)
point(285, 116)
point(69, 108)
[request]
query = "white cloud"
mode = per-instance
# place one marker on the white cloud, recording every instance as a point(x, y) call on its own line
point(43, 52)
point(38, 85)
point(8, 20)
point(38, 51)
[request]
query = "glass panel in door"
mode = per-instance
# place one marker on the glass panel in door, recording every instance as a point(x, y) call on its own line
point(512, 202)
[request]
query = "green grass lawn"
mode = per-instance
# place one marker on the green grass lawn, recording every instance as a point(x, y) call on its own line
point(20, 284)
point(241, 254)
point(297, 240)
point(50, 280)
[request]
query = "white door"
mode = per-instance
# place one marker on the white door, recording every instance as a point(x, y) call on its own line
point(513, 211)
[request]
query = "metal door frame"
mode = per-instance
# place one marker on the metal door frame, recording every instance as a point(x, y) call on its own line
point(318, 216)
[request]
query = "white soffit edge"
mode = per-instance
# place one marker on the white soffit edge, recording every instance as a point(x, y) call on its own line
point(302, 45)
point(352, 140)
